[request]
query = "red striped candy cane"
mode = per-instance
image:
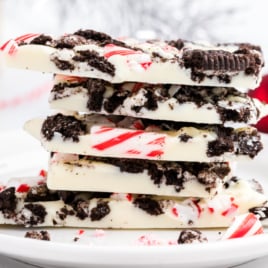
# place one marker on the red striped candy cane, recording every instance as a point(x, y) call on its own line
point(243, 226)
point(11, 46)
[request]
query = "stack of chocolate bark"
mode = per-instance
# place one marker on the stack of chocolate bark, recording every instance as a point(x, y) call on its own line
point(144, 134)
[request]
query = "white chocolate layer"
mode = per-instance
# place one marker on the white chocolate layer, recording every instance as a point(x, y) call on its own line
point(103, 138)
point(127, 211)
point(68, 172)
point(75, 98)
point(151, 62)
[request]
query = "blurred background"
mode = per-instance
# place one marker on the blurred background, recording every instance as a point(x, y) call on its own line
point(23, 94)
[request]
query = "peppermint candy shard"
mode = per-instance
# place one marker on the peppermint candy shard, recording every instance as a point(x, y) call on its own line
point(244, 225)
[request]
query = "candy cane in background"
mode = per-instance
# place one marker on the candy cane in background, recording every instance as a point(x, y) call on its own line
point(244, 225)
point(28, 97)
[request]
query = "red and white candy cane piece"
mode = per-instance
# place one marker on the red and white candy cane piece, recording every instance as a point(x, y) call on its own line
point(143, 60)
point(11, 46)
point(112, 50)
point(243, 226)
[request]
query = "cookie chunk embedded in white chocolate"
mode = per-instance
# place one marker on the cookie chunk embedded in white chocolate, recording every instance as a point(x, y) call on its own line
point(86, 173)
point(126, 137)
point(208, 105)
point(88, 53)
point(37, 206)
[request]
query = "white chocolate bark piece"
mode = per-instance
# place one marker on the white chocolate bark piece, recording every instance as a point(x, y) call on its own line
point(208, 105)
point(85, 173)
point(126, 137)
point(92, 54)
point(37, 206)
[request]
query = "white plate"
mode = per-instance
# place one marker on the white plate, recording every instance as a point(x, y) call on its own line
point(20, 155)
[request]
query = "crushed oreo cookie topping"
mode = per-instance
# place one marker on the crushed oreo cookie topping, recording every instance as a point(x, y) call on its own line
point(93, 59)
point(191, 236)
point(8, 200)
point(200, 61)
point(262, 212)
point(109, 98)
point(169, 173)
point(39, 235)
point(100, 211)
point(68, 126)
point(38, 214)
point(152, 207)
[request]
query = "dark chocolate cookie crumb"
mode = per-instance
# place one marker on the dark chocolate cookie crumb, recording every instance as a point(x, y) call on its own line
point(262, 212)
point(81, 208)
point(185, 137)
point(40, 193)
point(42, 40)
point(249, 143)
point(156, 173)
point(129, 165)
point(68, 126)
point(174, 177)
point(191, 236)
point(38, 214)
point(100, 211)
point(96, 89)
point(241, 115)
point(39, 235)
point(115, 100)
point(101, 38)
point(95, 60)
point(69, 41)
point(151, 103)
point(66, 196)
point(179, 43)
point(149, 205)
point(64, 212)
point(228, 183)
point(76, 239)
point(224, 142)
point(8, 201)
point(63, 64)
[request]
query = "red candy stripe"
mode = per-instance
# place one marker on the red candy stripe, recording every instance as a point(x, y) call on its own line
point(42, 173)
point(129, 197)
point(133, 151)
point(175, 212)
point(23, 188)
point(245, 226)
point(159, 141)
point(113, 50)
point(103, 129)
point(155, 153)
point(117, 140)
point(230, 210)
point(12, 44)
